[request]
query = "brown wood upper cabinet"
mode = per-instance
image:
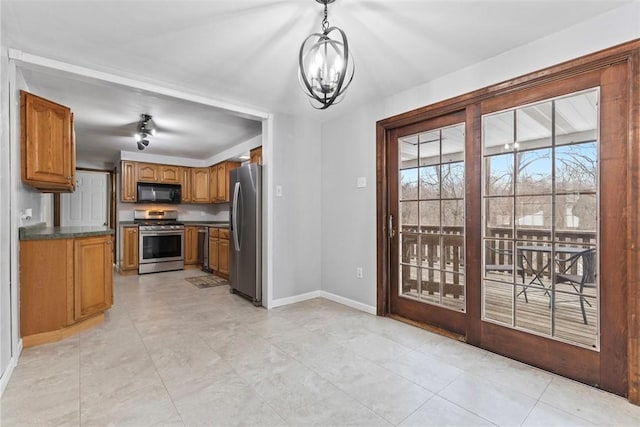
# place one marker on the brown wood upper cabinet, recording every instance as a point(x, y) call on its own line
point(222, 175)
point(200, 185)
point(255, 155)
point(169, 174)
point(128, 181)
point(185, 181)
point(147, 172)
point(47, 144)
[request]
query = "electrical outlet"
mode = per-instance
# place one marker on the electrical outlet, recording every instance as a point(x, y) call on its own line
point(359, 273)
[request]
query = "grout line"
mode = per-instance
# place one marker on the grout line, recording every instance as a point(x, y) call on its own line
point(155, 367)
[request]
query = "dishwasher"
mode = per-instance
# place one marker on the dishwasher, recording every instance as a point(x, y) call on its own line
point(203, 248)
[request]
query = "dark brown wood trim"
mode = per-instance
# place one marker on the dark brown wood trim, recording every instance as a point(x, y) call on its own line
point(473, 240)
point(594, 61)
point(614, 131)
point(633, 233)
point(542, 352)
point(382, 213)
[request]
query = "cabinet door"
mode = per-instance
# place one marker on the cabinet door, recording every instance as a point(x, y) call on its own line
point(93, 278)
point(200, 185)
point(147, 172)
point(128, 181)
point(223, 256)
point(46, 285)
point(129, 249)
point(255, 155)
point(47, 146)
point(169, 174)
point(213, 253)
point(213, 184)
point(186, 184)
point(222, 184)
point(190, 245)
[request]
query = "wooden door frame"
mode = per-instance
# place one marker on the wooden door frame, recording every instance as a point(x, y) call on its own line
point(628, 54)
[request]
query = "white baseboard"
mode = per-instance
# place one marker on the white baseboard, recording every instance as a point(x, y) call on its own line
point(348, 302)
point(326, 295)
point(294, 299)
point(6, 376)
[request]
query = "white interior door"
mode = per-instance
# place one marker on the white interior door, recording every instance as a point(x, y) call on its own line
point(89, 204)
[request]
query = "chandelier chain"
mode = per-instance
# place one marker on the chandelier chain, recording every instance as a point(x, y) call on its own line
point(325, 21)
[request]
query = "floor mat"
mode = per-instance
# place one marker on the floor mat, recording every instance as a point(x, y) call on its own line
point(207, 281)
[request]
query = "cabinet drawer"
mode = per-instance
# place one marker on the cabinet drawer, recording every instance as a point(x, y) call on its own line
point(213, 232)
point(224, 233)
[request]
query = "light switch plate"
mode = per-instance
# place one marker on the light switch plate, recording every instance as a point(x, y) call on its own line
point(278, 190)
point(361, 182)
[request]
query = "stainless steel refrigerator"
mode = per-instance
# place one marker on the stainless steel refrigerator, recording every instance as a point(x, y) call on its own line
point(245, 245)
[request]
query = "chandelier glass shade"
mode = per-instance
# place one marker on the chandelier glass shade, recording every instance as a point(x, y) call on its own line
point(325, 64)
point(146, 129)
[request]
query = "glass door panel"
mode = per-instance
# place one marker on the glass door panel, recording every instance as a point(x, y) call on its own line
point(431, 198)
point(540, 233)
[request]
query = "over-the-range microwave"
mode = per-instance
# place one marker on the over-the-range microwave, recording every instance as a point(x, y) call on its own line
point(159, 193)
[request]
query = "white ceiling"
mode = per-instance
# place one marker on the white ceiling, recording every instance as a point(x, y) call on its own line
point(245, 52)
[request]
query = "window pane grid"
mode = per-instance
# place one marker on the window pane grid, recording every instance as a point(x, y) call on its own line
point(540, 195)
point(432, 217)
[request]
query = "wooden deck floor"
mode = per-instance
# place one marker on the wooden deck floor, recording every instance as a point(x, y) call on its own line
point(534, 315)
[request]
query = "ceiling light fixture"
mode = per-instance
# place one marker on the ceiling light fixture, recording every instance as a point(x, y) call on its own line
point(325, 65)
point(146, 129)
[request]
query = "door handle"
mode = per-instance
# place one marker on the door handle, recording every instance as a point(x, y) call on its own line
point(234, 223)
point(391, 231)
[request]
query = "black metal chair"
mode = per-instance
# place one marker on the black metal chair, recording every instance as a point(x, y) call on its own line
point(579, 271)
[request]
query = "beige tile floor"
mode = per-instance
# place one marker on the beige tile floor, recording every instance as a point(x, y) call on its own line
point(172, 354)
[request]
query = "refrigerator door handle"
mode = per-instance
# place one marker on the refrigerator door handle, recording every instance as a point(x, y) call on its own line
point(236, 193)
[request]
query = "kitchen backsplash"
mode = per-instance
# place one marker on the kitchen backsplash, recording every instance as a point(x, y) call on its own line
point(186, 212)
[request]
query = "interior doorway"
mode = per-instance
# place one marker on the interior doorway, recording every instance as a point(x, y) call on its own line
point(89, 204)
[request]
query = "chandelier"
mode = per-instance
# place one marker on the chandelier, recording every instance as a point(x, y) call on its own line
point(325, 65)
point(146, 129)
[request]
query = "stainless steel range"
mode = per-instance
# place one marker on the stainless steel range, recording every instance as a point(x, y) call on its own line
point(161, 241)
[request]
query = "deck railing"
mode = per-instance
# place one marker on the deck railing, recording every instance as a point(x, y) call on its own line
point(499, 245)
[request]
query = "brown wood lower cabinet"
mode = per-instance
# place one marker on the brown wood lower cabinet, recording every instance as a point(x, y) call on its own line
point(219, 251)
point(213, 251)
point(130, 245)
point(190, 245)
point(65, 286)
point(93, 276)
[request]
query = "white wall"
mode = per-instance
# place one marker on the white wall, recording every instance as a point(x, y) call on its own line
point(348, 212)
point(5, 225)
point(348, 143)
point(16, 196)
point(296, 238)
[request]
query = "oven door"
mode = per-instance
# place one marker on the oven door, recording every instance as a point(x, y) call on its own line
point(161, 246)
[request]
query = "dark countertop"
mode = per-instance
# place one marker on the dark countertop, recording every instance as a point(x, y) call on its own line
point(42, 232)
point(218, 224)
